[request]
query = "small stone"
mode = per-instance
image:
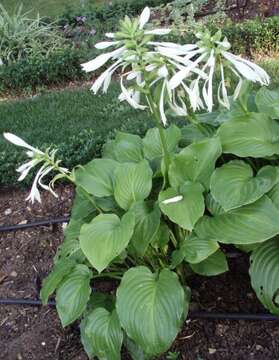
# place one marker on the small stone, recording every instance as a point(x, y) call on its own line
point(19, 357)
point(212, 351)
point(259, 347)
point(43, 343)
point(8, 212)
point(22, 222)
point(13, 274)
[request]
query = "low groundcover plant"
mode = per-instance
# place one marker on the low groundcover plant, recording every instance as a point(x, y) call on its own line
point(154, 210)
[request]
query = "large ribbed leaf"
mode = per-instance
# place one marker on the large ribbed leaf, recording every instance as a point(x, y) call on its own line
point(105, 238)
point(233, 184)
point(195, 163)
point(185, 212)
point(150, 308)
point(125, 148)
point(83, 208)
point(195, 132)
point(194, 250)
point(73, 294)
point(96, 177)
point(253, 135)
point(215, 264)
point(152, 146)
point(213, 206)
point(267, 102)
point(264, 270)
point(147, 222)
point(133, 182)
point(61, 269)
point(103, 334)
point(249, 224)
point(273, 194)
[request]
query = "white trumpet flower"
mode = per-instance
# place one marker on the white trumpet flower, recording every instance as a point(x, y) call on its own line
point(173, 200)
point(205, 58)
point(124, 56)
point(47, 159)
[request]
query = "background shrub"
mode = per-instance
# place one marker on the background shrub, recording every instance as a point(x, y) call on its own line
point(28, 74)
point(23, 38)
point(247, 37)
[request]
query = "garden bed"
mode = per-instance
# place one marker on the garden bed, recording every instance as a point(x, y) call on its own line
point(35, 332)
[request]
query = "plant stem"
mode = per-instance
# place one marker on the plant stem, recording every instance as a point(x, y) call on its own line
point(116, 275)
point(156, 114)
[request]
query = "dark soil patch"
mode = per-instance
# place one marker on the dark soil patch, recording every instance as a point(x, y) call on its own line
point(35, 332)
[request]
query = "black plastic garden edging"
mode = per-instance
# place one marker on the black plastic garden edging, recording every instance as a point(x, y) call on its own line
point(32, 224)
point(195, 315)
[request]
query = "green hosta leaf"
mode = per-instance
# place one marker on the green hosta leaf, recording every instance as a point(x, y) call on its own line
point(147, 222)
point(249, 224)
point(58, 273)
point(133, 182)
point(135, 351)
point(82, 212)
point(253, 135)
point(108, 204)
point(96, 177)
point(194, 249)
point(187, 211)
point(195, 163)
point(162, 237)
point(267, 102)
point(125, 148)
point(72, 230)
point(73, 294)
point(213, 206)
point(264, 271)
point(152, 146)
point(85, 340)
point(105, 238)
point(247, 248)
point(150, 308)
point(82, 209)
point(233, 184)
point(103, 334)
point(195, 133)
point(273, 194)
point(215, 264)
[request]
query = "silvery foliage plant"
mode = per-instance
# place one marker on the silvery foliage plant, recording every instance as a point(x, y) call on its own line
point(155, 210)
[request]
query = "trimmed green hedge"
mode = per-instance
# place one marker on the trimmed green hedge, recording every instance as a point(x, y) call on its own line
point(28, 74)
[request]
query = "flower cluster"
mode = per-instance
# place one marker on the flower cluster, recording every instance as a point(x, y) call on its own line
point(45, 159)
point(182, 74)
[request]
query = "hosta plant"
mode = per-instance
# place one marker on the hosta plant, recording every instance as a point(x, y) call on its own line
point(154, 210)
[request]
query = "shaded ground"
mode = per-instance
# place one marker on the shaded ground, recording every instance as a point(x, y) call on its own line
point(35, 333)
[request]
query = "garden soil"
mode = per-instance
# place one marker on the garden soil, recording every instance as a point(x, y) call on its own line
point(35, 333)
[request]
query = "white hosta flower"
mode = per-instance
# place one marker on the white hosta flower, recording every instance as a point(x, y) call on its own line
point(130, 96)
point(208, 56)
point(19, 142)
point(143, 20)
point(247, 69)
point(173, 200)
point(124, 56)
point(47, 161)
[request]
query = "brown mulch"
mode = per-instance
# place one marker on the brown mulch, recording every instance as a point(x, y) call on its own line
point(35, 332)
